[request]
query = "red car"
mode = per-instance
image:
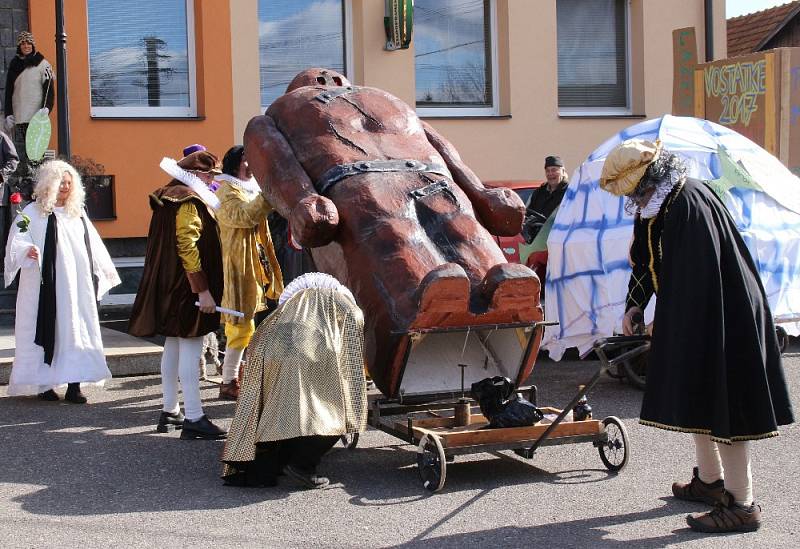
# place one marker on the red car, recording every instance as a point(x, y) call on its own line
point(524, 188)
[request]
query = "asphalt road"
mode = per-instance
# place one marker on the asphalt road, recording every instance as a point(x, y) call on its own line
point(99, 475)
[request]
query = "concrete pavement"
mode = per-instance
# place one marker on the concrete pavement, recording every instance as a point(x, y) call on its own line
point(98, 475)
point(126, 355)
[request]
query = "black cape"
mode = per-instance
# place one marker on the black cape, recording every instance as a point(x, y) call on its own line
point(714, 366)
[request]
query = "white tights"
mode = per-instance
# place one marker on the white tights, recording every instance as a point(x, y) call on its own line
point(181, 359)
point(728, 461)
point(230, 366)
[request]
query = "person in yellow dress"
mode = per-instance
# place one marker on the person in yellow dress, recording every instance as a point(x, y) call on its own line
point(251, 271)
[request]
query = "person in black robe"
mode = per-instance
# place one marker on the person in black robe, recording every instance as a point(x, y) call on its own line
point(714, 367)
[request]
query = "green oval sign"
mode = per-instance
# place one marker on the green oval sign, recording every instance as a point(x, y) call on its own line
point(38, 136)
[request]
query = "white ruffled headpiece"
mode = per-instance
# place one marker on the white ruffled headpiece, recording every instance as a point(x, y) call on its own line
point(313, 280)
point(189, 179)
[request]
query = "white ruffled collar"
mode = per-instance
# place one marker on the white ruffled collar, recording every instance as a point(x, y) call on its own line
point(653, 205)
point(249, 186)
point(190, 180)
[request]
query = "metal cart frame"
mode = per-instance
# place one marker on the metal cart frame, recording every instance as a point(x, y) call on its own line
point(427, 421)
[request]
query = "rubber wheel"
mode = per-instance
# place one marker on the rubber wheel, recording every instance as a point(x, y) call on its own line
point(636, 371)
point(783, 338)
point(614, 451)
point(349, 441)
point(431, 462)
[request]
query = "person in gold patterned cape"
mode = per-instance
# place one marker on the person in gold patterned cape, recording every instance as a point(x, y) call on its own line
point(303, 386)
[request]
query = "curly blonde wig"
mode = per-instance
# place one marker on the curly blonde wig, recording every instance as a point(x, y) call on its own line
point(48, 178)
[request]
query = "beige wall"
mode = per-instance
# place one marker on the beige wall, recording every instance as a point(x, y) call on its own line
point(511, 146)
point(244, 65)
point(515, 148)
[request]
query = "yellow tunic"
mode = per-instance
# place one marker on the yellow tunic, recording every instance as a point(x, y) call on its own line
point(243, 229)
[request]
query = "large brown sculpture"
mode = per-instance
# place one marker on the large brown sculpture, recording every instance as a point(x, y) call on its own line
point(388, 207)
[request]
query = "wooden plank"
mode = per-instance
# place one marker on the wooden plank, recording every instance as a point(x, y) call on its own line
point(770, 131)
point(474, 433)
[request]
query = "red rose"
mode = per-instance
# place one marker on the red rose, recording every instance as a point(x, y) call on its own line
point(15, 198)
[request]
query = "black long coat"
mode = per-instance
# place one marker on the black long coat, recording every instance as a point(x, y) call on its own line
point(714, 365)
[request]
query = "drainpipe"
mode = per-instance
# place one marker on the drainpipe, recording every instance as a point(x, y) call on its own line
point(62, 100)
point(709, 15)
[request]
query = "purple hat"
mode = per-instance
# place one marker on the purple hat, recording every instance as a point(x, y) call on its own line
point(193, 148)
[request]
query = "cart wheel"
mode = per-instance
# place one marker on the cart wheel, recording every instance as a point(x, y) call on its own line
point(636, 371)
point(349, 440)
point(431, 462)
point(614, 451)
point(783, 338)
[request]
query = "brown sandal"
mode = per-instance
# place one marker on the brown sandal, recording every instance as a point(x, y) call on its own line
point(697, 490)
point(727, 516)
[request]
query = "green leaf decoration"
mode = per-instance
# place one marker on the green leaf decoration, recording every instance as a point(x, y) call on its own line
point(38, 136)
point(733, 175)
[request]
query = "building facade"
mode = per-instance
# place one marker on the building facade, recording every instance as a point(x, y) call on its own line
point(507, 81)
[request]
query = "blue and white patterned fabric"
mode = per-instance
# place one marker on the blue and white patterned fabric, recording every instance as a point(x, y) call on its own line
point(588, 267)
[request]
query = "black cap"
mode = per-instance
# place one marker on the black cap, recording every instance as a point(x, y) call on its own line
point(553, 161)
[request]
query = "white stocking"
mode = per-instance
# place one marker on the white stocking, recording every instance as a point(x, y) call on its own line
point(709, 466)
point(738, 478)
point(169, 375)
point(190, 349)
point(230, 367)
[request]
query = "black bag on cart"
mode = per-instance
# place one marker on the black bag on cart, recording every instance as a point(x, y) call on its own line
point(502, 406)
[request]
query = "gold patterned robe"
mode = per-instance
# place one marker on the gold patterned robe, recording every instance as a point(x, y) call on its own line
point(242, 219)
point(304, 375)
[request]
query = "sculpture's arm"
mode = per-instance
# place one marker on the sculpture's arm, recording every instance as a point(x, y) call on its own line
point(500, 210)
point(285, 184)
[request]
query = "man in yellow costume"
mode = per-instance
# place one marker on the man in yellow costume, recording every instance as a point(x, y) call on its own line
point(251, 271)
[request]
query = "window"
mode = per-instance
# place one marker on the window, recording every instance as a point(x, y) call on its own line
point(592, 57)
point(455, 57)
point(295, 35)
point(141, 58)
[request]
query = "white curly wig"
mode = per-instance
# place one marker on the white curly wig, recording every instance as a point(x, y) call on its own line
point(48, 178)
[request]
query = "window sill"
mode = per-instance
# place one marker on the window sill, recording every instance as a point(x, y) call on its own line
point(599, 115)
point(154, 118)
point(467, 117)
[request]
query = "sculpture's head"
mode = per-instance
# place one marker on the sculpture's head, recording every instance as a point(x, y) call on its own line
point(318, 77)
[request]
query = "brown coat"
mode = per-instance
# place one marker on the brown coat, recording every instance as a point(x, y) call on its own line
point(165, 302)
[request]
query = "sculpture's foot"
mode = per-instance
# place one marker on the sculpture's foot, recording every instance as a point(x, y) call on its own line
point(509, 286)
point(444, 290)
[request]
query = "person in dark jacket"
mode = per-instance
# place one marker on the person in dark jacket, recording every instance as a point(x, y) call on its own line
point(545, 199)
point(714, 368)
point(8, 163)
point(183, 266)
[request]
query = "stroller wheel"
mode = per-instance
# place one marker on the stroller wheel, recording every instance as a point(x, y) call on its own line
point(614, 451)
point(783, 338)
point(431, 462)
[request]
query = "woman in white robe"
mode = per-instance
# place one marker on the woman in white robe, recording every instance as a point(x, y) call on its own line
point(77, 349)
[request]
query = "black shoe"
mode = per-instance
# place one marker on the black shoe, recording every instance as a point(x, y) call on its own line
point(49, 395)
point(74, 394)
point(168, 422)
point(309, 479)
point(202, 428)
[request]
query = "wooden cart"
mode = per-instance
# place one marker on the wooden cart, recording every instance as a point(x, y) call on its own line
point(428, 420)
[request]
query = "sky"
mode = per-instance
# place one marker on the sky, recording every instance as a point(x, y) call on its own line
point(734, 8)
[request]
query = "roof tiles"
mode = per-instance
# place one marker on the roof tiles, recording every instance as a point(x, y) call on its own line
point(747, 32)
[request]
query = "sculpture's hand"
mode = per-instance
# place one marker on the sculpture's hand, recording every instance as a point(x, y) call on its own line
point(501, 211)
point(314, 221)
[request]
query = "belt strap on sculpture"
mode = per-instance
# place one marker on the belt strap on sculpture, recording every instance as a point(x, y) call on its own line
point(342, 171)
point(329, 95)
